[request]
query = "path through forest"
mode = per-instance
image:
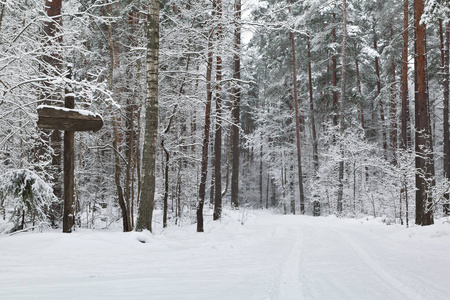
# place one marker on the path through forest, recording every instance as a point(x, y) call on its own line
point(269, 257)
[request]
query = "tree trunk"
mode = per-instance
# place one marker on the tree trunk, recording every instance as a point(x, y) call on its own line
point(342, 107)
point(227, 175)
point(405, 102)
point(261, 205)
point(144, 220)
point(335, 94)
point(204, 166)
point(166, 184)
point(236, 106)
point(218, 136)
point(52, 61)
point(311, 106)
point(166, 165)
point(377, 71)
point(358, 84)
point(3, 5)
point(69, 166)
point(424, 211)
point(117, 170)
point(291, 187)
point(297, 123)
point(213, 173)
point(267, 190)
point(129, 157)
point(445, 43)
point(133, 19)
point(393, 114)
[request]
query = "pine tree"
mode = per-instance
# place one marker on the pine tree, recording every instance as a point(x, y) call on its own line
point(424, 209)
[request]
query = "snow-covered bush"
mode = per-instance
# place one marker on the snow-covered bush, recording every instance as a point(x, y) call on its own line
point(25, 197)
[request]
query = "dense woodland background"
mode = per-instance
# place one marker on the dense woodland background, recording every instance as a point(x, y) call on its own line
point(316, 106)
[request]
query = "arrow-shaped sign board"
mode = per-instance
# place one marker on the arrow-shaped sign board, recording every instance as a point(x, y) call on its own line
point(68, 119)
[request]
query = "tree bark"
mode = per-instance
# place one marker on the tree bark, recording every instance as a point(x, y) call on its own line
point(297, 123)
point(117, 170)
point(218, 135)
point(393, 114)
point(334, 67)
point(2, 12)
point(405, 102)
point(358, 84)
point(213, 173)
point(424, 211)
point(69, 166)
point(445, 46)
point(144, 220)
point(204, 166)
point(342, 107)
point(236, 106)
point(166, 167)
point(311, 106)
point(382, 118)
point(52, 66)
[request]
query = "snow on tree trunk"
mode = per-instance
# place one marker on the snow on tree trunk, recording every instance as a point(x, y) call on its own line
point(297, 123)
point(424, 210)
point(204, 166)
point(218, 133)
point(405, 101)
point(144, 220)
point(236, 106)
point(445, 43)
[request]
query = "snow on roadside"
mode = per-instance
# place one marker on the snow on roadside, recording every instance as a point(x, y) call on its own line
point(268, 257)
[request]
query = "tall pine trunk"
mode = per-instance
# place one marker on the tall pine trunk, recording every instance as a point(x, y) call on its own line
point(236, 106)
point(297, 123)
point(335, 108)
point(382, 118)
point(218, 134)
point(358, 85)
point(393, 114)
point(204, 166)
point(406, 136)
point(424, 211)
point(146, 204)
point(342, 107)
point(126, 224)
point(52, 68)
point(445, 43)
point(311, 107)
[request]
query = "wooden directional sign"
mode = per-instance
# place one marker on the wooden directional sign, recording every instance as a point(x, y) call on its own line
point(68, 119)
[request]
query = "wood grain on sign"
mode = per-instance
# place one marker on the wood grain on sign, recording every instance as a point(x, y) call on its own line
point(68, 119)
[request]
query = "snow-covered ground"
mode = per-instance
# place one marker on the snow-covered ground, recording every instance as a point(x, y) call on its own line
point(269, 257)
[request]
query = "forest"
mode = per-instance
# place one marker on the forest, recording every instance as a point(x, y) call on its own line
point(313, 107)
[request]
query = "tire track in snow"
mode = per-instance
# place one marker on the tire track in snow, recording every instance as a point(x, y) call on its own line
point(383, 274)
point(289, 285)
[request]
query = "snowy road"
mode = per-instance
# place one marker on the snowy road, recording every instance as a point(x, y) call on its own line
point(270, 257)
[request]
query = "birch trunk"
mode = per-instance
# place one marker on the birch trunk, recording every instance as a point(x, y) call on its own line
point(144, 220)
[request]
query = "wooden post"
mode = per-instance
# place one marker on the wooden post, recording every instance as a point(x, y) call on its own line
point(69, 120)
point(69, 165)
